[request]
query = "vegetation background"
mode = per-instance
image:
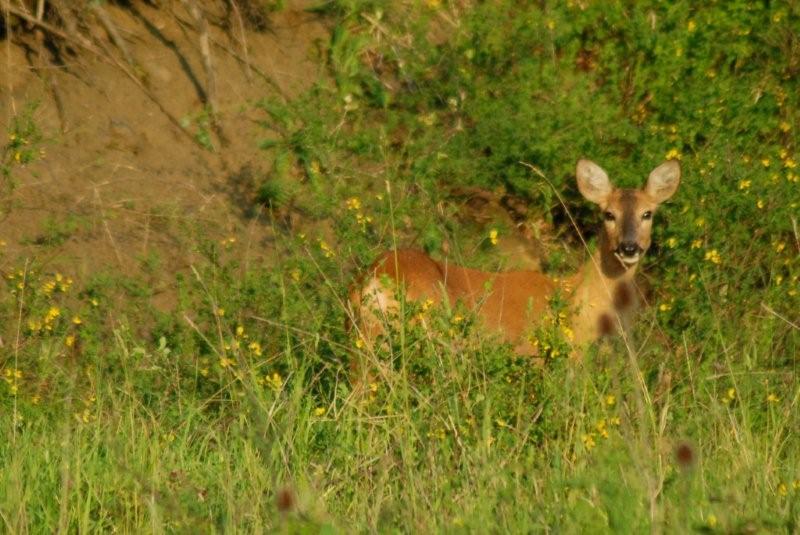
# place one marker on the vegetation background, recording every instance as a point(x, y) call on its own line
point(189, 188)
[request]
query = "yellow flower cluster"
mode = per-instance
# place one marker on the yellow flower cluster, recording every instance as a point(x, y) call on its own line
point(326, 249)
point(713, 257)
point(47, 323)
point(729, 396)
point(354, 205)
point(86, 416)
point(12, 377)
point(255, 348)
point(57, 283)
point(274, 381)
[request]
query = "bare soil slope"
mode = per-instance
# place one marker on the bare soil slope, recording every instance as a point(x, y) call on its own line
point(118, 185)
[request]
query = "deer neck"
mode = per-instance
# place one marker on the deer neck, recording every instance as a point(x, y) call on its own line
point(603, 295)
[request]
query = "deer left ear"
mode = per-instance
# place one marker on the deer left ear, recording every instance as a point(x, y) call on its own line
point(663, 181)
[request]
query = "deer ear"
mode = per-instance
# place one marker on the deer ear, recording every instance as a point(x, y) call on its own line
point(663, 181)
point(593, 182)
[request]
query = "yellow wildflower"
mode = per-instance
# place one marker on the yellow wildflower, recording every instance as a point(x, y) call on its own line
point(76, 320)
point(672, 243)
point(326, 249)
point(744, 184)
point(772, 398)
point(713, 256)
point(760, 203)
point(664, 307)
point(69, 341)
point(225, 362)
point(493, 236)
point(255, 348)
point(784, 126)
point(673, 154)
point(48, 287)
point(782, 489)
point(691, 26)
point(697, 243)
point(274, 381)
point(568, 333)
point(52, 314)
point(428, 119)
point(353, 203)
point(611, 400)
point(319, 411)
point(588, 440)
point(601, 428)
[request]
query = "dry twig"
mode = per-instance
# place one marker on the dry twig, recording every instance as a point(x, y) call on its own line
point(111, 29)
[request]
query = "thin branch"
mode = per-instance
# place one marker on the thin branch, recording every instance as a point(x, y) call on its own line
point(201, 23)
point(205, 50)
point(779, 316)
point(111, 29)
point(243, 36)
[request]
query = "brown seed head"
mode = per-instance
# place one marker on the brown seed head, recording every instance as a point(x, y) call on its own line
point(285, 500)
point(685, 456)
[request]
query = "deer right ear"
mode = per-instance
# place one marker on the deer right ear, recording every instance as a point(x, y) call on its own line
point(593, 182)
point(663, 181)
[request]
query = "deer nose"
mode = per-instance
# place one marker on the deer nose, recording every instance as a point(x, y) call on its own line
point(629, 248)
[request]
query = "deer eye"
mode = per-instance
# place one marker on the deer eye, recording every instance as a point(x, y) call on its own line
point(609, 216)
point(647, 215)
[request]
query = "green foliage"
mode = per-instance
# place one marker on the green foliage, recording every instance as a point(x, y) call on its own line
point(203, 122)
point(24, 139)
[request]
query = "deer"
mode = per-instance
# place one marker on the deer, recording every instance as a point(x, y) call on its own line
point(601, 295)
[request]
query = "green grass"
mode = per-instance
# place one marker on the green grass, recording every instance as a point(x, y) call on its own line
point(118, 416)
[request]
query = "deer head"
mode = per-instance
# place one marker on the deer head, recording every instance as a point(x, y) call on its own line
point(627, 213)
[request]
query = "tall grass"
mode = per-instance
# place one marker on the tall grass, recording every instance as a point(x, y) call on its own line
point(236, 411)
